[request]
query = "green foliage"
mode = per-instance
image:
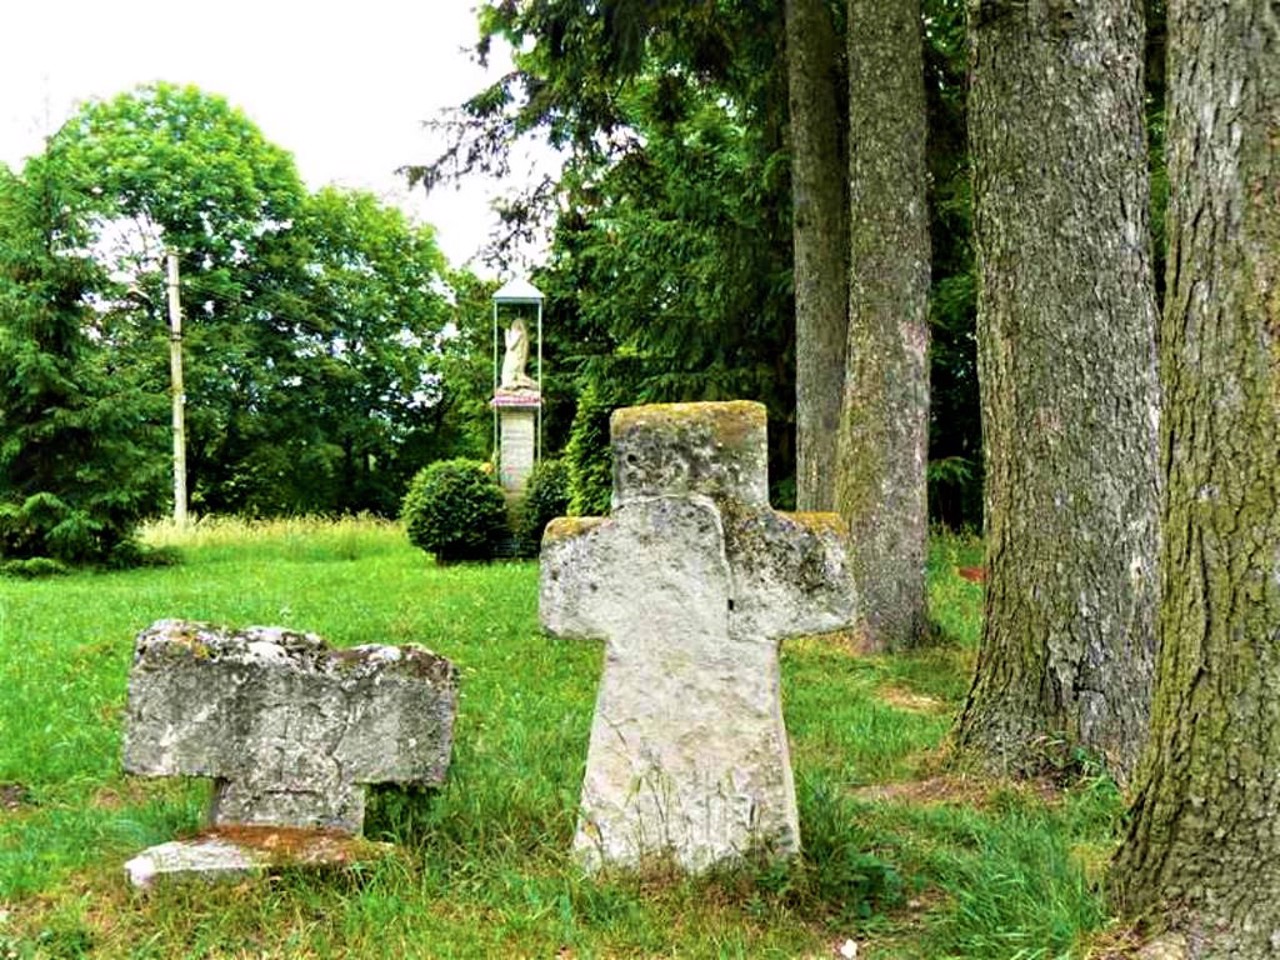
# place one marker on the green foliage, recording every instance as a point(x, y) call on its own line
point(545, 497)
point(356, 390)
point(314, 325)
point(955, 432)
point(455, 510)
point(76, 451)
point(842, 869)
point(1019, 887)
point(33, 568)
point(955, 603)
point(672, 265)
point(44, 526)
point(669, 276)
point(588, 456)
point(466, 371)
point(174, 167)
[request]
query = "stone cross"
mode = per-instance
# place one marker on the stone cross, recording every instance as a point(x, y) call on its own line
point(290, 729)
point(691, 581)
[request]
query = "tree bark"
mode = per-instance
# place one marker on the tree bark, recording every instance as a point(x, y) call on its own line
point(820, 238)
point(882, 441)
point(1202, 854)
point(1067, 373)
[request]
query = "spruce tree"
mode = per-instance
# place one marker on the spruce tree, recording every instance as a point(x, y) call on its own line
point(76, 472)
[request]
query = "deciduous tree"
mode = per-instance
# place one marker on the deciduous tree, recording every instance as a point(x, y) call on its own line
point(882, 449)
point(1202, 845)
point(181, 168)
point(1070, 400)
point(360, 309)
point(311, 321)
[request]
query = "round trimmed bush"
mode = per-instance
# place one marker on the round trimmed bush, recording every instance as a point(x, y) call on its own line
point(455, 510)
point(545, 498)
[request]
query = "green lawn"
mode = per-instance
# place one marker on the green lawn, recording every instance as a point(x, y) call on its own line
point(904, 859)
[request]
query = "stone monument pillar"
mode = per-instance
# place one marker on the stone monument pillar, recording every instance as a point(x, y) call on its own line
point(517, 430)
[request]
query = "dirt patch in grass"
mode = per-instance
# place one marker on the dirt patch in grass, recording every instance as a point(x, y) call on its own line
point(958, 789)
point(931, 790)
point(852, 642)
point(14, 796)
point(1119, 943)
point(910, 701)
point(129, 793)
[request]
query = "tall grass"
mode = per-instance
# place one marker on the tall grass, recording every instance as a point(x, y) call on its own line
point(961, 869)
point(314, 538)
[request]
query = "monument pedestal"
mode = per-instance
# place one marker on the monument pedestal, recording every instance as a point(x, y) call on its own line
point(517, 436)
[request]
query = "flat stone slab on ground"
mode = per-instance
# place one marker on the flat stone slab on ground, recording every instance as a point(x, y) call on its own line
point(233, 854)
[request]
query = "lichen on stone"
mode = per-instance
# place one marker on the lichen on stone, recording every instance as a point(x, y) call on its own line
point(819, 522)
point(692, 583)
point(566, 528)
point(733, 422)
point(289, 728)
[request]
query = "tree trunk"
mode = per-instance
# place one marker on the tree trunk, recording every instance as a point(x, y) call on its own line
point(1202, 849)
point(820, 238)
point(1067, 373)
point(882, 441)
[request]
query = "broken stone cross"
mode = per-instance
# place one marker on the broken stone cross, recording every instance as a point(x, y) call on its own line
point(290, 729)
point(691, 581)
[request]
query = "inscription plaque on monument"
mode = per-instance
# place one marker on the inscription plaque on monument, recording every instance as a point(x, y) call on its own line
point(516, 455)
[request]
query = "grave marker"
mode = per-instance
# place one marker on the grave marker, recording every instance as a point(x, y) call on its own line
point(692, 581)
point(289, 729)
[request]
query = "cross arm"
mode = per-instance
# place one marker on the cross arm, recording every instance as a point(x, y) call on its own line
point(569, 577)
point(182, 697)
point(793, 571)
point(398, 706)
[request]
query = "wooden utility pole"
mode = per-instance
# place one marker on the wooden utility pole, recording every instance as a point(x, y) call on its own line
point(179, 396)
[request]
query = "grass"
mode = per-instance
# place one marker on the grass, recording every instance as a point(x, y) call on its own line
point(905, 859)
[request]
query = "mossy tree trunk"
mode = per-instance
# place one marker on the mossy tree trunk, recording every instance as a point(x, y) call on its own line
point(1067, 371)
point(883, 437)
point(1203, 846)
point(821, 241)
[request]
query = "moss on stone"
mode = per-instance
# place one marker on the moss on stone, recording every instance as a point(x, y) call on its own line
point(819, 522)
point(732, 422)
point(566, 528)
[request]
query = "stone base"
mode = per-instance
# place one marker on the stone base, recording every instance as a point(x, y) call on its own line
point(232, 853)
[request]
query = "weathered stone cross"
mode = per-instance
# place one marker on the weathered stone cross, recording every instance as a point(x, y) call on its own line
point(692, 581)
point(290, 729)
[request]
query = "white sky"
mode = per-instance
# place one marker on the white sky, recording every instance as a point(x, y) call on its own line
point(344, 86)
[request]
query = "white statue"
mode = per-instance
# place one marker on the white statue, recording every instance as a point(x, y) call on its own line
point(516, 358)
